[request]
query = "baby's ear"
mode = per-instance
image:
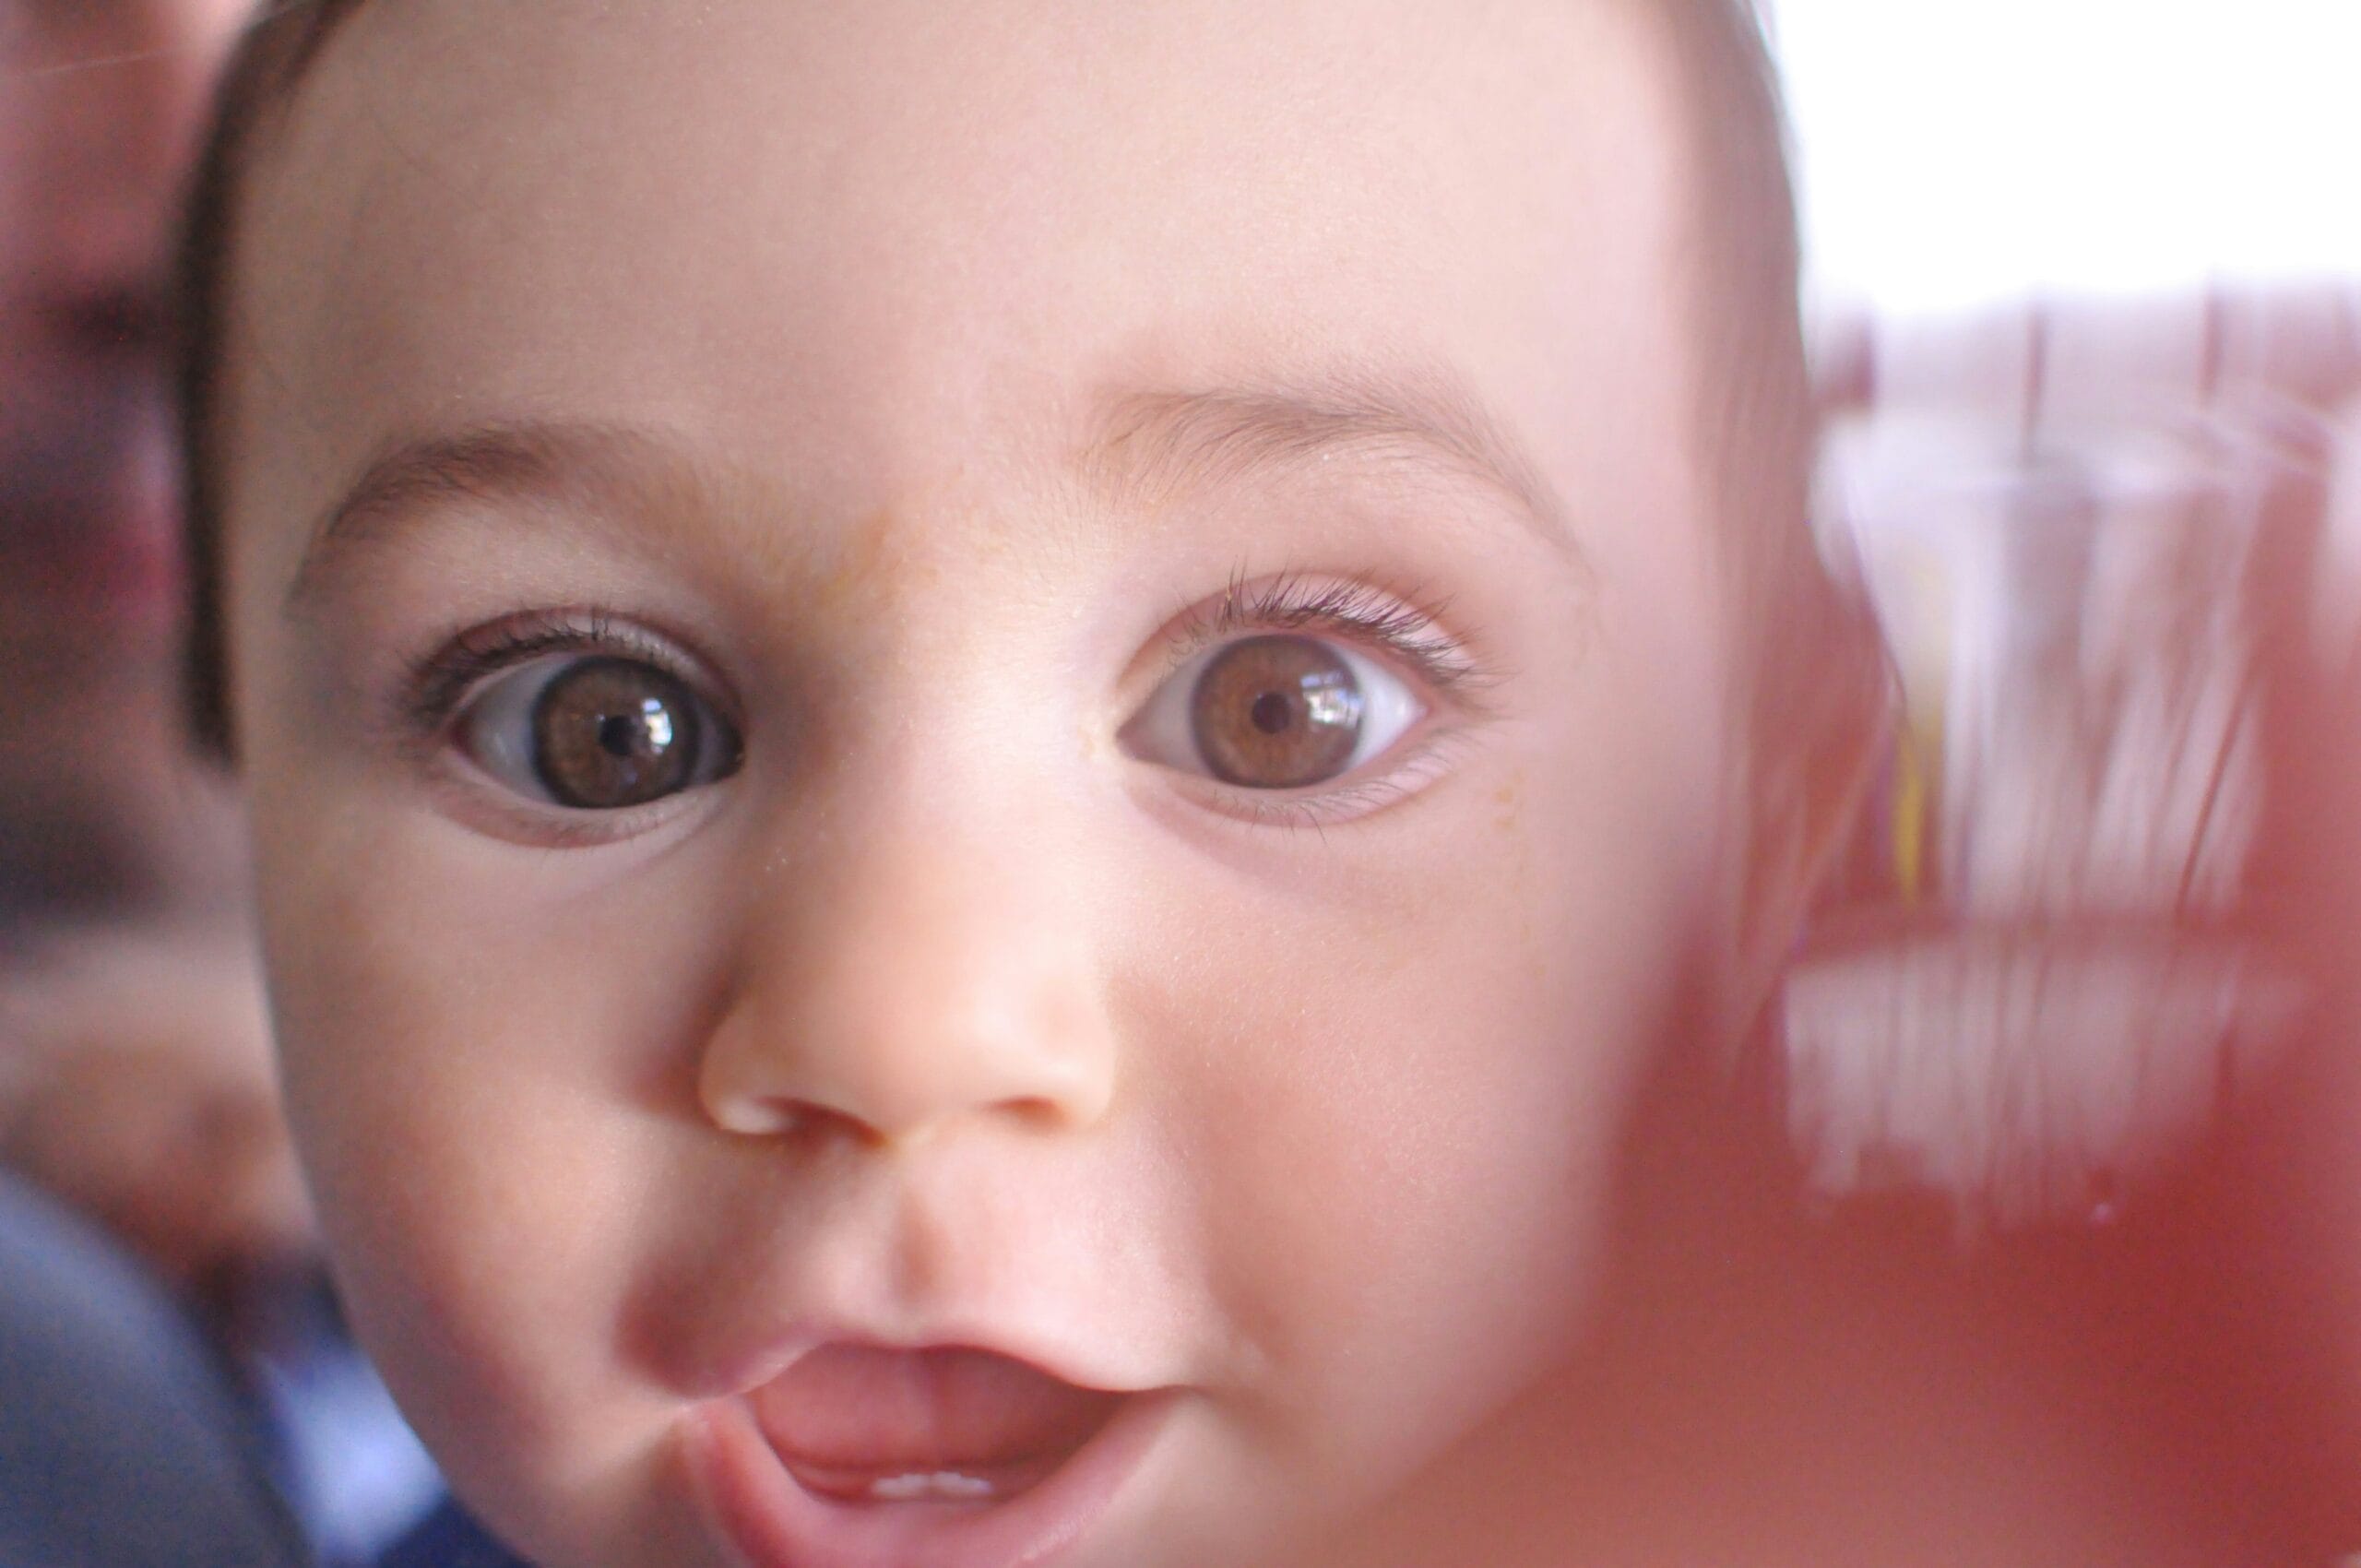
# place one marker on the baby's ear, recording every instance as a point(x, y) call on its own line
point(1821, 734)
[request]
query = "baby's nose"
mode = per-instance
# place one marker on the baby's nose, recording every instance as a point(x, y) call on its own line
point(938, 985)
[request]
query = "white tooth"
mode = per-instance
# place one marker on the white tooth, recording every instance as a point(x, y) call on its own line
point(941, 1483)
point(950, 1483)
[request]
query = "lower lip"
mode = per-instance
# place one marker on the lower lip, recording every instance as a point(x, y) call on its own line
point(773, 1522)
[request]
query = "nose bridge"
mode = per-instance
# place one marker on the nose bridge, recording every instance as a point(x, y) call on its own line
point(910, 966)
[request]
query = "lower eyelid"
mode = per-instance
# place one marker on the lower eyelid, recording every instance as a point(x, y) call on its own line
point(1427, 758)
point(527, 822)
point(487, 805)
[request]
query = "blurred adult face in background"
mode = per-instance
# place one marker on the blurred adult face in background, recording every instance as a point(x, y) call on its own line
point(100, 104)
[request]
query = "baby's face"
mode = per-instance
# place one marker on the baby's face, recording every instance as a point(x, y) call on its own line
point(986, 741)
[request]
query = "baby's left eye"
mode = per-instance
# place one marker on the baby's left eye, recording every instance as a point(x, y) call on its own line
point(596, 733)
point(1279, 711)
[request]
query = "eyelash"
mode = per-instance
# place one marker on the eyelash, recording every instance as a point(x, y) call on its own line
point(437, 684)
point(1397, 622)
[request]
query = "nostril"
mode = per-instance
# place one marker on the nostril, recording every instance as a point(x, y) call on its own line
point(756, 1118)
point(786, 1117)
point(842, 1061)
point(1041, 1112)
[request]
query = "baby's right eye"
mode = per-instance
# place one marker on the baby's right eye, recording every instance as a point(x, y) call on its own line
point(595, 732)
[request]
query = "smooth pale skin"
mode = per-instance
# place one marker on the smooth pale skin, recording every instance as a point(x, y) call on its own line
point(1315, 1120)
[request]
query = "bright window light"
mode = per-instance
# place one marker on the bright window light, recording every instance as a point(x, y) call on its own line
point(1957, 154)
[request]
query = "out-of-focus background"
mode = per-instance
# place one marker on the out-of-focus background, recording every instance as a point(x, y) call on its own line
point(2085, 286)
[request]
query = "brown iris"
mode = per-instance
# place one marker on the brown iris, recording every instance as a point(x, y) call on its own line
point(1276, 713)
point(614, 732)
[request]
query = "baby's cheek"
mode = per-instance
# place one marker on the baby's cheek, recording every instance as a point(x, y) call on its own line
point(462, 1071)
point(1405, 1079)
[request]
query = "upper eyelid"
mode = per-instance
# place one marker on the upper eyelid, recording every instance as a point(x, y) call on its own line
point(1296, 602)
point(1438, 655)
point(439, 684)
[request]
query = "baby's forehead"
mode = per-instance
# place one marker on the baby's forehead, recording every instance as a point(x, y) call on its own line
point(897, 80)
point(904, 203)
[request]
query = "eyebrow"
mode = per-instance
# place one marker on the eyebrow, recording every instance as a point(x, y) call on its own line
point(1156, 443)
point(1427, 420)
point(601, 470)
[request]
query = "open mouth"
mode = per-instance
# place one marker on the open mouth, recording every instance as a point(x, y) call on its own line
point(861, 1456)
point(969, 1428)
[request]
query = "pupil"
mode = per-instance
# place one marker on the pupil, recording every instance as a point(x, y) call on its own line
point(1270, 712)
point(619, 734)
